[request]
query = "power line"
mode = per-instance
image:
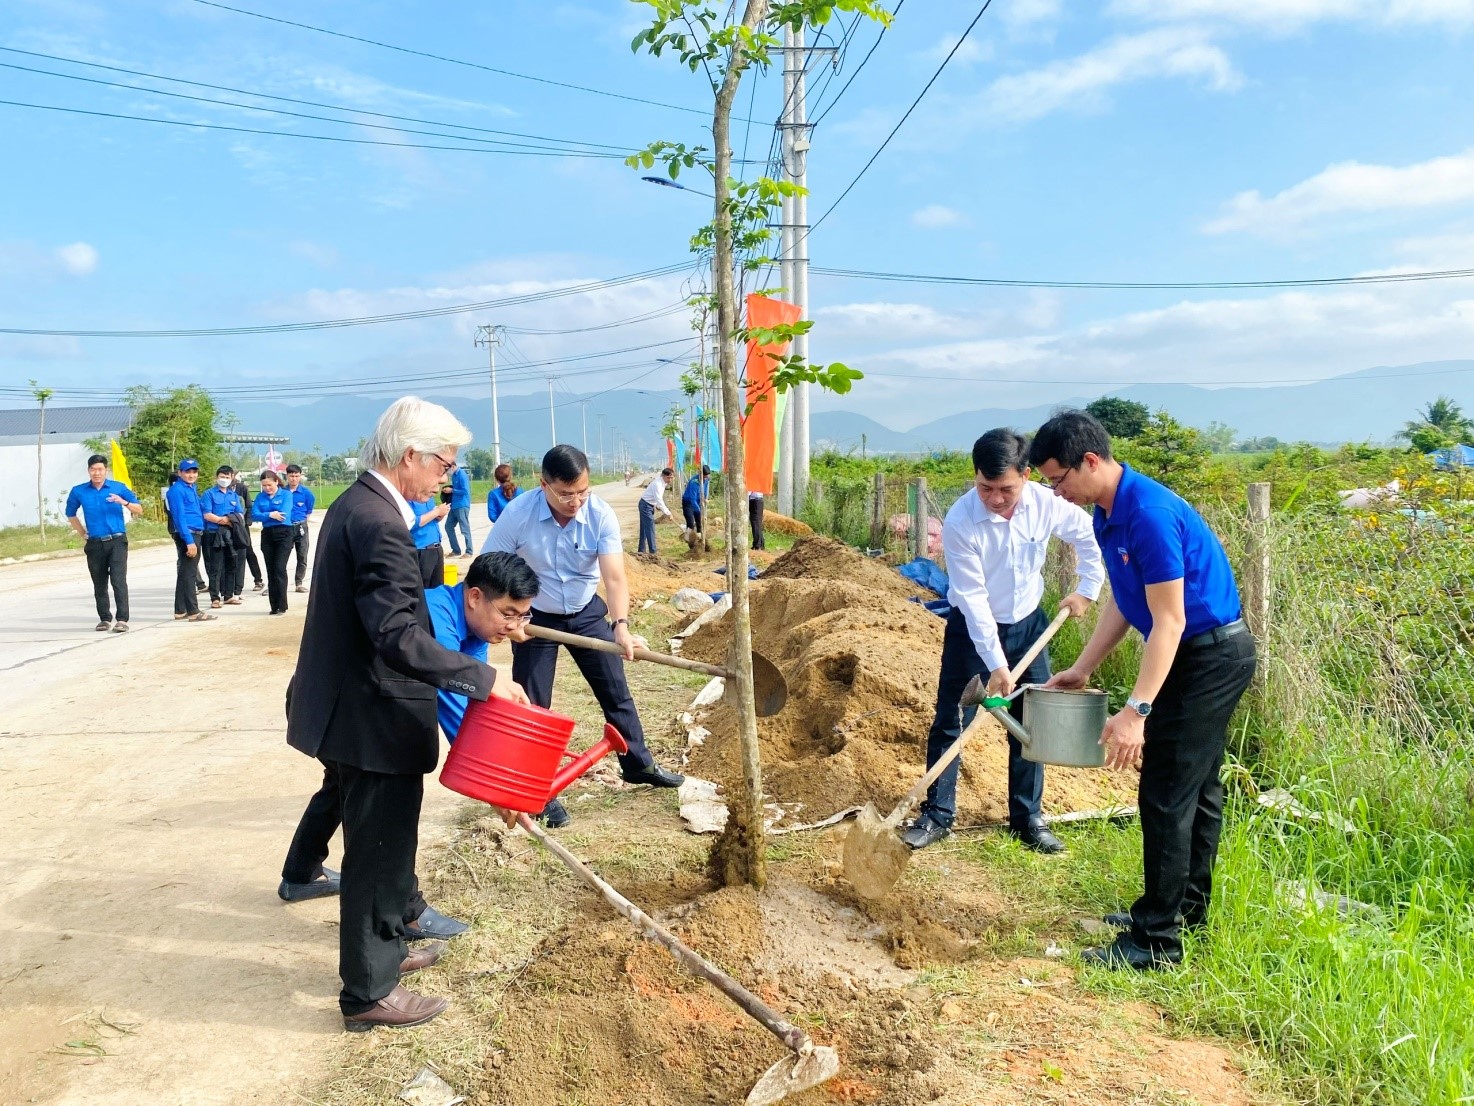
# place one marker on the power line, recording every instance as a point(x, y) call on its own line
point(875, 46)
point(1237, 381)
point(1000, 282)
point(326, 324)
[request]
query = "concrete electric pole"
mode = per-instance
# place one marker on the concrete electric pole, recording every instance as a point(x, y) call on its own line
point(552, 421)
point(491, 337)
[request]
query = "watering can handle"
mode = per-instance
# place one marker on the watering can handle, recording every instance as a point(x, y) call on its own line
point(612, 740)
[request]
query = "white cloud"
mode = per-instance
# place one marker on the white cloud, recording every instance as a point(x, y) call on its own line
point(1024, 14)
point(970, 52)
point(1351, 188)
point(1082, 82)
point(27, 262)
point(79, 258)
point(938, 216)
point(1283, 15)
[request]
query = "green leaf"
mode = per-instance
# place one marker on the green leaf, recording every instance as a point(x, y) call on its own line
point(647, 159)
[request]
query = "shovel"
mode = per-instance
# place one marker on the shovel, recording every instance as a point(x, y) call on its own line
point(874, 856)
point(810, 1064)
point(769, 687)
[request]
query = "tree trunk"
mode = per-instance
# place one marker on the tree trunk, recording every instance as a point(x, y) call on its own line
point(743, 857)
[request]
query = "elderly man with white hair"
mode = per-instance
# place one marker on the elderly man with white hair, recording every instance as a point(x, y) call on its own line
point(362, 701)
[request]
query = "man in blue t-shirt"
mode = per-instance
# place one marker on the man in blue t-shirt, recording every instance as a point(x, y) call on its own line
point(105, 534)
point(1172, 583)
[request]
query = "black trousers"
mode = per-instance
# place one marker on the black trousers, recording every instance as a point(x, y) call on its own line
point(276, 543)
point(1180, 794)
point(755, 520)
point(432, 565)
point(692, 516)
point(246, 555)
point(381, 827)
point(107, 563)
point(960, 662)
point(535, 662)
point(187, 570)
point(299, 543)
point(220, 563)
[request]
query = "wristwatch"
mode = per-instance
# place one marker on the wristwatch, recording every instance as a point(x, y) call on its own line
point(617, 621)
point(1140, 706)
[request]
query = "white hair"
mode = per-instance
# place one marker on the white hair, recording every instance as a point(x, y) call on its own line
point(411, 423)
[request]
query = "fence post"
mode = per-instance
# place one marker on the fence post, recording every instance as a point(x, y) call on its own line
point(918, 520)
point(1257, 566)
point(877, 513)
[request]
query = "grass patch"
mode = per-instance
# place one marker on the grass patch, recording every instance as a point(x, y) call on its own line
point(22, 541)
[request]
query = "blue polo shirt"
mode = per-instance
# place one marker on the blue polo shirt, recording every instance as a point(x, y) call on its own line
point(460, 489)
point(303, 503)
point(565, 558)
point(447, 607)
point(497, 500)
point(102, 519)
point(185, 515)
point(426, 535)
point(694, 493)
point(263, 505)
point(219, 502)
point(1153, 535)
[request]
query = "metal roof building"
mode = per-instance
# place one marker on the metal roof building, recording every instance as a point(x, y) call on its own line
point(63, 456)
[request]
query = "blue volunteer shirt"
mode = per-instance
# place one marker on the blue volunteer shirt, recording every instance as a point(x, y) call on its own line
point(447, 607)
point(565, 558)
point(102, 519)
point(497, 500)
point(695, 492)
point(303, 503)
point(460, 489)
point(216, 501)
point(1153, 535)
point(263, 505)
point(185, 516)
point(426, 535)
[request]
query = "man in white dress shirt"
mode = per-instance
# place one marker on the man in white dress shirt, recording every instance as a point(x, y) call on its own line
point(995, 539)
point(652, 500)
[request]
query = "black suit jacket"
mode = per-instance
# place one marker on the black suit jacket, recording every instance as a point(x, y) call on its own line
point(369, 665)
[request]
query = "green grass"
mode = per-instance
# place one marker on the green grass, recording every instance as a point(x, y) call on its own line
point(22, 541)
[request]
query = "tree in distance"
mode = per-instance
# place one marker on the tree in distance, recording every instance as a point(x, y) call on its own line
point(1122, 418)
point(1440, 424)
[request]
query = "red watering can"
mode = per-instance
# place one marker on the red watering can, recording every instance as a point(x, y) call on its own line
point(508, 754)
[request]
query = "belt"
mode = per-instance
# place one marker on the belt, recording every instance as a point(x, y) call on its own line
point(109, 537)
point(1218, 634)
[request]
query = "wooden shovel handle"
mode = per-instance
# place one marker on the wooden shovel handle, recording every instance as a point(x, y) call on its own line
point(578, 641)
point(1038, 646)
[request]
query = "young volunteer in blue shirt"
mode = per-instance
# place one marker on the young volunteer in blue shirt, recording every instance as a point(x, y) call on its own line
point(272, 508)
point(571, 539)
point(186, 525)
point(505, 491)
point(693, 497)
point(426, 535)
point(1172, 583)
point(105, 538)
point(217, 505)
point(303, 504)
point(459, 521)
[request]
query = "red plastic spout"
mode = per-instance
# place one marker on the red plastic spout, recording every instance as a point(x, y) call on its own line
point(612, 741)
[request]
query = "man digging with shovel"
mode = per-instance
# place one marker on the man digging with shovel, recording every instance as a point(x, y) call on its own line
point(995, 538)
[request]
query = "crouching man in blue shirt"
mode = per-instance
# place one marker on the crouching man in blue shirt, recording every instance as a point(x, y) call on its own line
point(492, 604)
point(1172, 583)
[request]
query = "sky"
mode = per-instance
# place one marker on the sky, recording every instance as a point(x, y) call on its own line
point(1129, 140)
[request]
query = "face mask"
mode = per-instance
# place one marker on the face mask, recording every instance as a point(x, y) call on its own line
point(223, 481)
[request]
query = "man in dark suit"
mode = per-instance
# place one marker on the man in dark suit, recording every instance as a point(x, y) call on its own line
point(362, 701)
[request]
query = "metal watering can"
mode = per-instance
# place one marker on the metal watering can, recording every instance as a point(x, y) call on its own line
point(1059, 727)
point(511, 755)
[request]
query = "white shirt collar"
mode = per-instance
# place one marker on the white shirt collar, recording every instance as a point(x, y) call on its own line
point(980, 512)
point(406, 512)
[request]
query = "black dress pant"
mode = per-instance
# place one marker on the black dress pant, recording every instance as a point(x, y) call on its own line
point(381, 825)
point(692, 515)
point(107, 562)
point(220, 563)
point(755, 508)
point(245, 554)
point(432, 565)
point(960, 662)
point(535, 662)
point(1180, 795)
point(299, 543)
point(276, 543)
point(187, 570)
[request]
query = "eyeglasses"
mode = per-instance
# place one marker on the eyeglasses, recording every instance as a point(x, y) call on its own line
point(513, 618)
point(446, 467)
point(1055, 483)
point(570, 497)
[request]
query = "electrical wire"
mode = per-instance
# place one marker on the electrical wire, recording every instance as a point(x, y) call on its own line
point(859, 68)
point(1239, 381)
point(1000, 282)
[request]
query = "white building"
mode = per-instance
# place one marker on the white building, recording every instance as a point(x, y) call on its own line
point(63, 456)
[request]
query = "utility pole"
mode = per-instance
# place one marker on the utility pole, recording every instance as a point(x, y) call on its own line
point(600, 418)
point(552, 421)
point(584, 404)
point(491, 337)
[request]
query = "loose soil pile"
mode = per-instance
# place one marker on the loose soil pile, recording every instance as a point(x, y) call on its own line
point(861, 663)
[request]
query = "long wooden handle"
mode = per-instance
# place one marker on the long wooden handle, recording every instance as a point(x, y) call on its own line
point(1038, 646)
point(580, 642)
point(912, 797)
point(791, 1035)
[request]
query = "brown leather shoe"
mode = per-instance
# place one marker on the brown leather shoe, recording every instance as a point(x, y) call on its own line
point(422, 957)
point(398, 1009)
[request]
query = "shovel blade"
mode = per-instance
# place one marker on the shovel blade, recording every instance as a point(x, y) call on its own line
point(875, 857)
point(769, 687)
point(793, 1074)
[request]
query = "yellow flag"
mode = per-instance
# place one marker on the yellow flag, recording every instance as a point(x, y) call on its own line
point(120, 466)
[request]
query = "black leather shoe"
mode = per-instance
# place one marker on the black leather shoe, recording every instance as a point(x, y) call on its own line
point(327, 883)
point(655, 776)
point(432, 923)
point(923, 832)
point(1039, 839)
point(555, 815)
point(1123, 952)
point(1120, 919)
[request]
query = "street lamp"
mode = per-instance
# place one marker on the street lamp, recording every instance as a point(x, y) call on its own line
point(665, 182)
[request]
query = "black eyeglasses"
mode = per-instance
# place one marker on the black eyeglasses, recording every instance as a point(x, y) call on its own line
point(1058, 480)
point(446, 467)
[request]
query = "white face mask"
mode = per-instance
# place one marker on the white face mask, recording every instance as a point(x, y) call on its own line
point(223, 481)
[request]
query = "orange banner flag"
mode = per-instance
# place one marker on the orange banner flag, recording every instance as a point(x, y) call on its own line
point(760, 427)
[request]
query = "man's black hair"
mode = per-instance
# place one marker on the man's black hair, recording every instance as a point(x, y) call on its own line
point(1000, 451)
point(564, 463)
point(295, 468)
point(499, 575)
point(1067, 437)
point(666, 472)
point(225, 470)
point(705, 470)
point(96, 459)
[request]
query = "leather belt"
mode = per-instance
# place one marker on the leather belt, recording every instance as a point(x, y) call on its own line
point(1218, 634)
point(109, 537)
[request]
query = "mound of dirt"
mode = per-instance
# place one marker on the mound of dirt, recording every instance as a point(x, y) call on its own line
point(861, 665)
point(774, 523)
point(821, 558)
